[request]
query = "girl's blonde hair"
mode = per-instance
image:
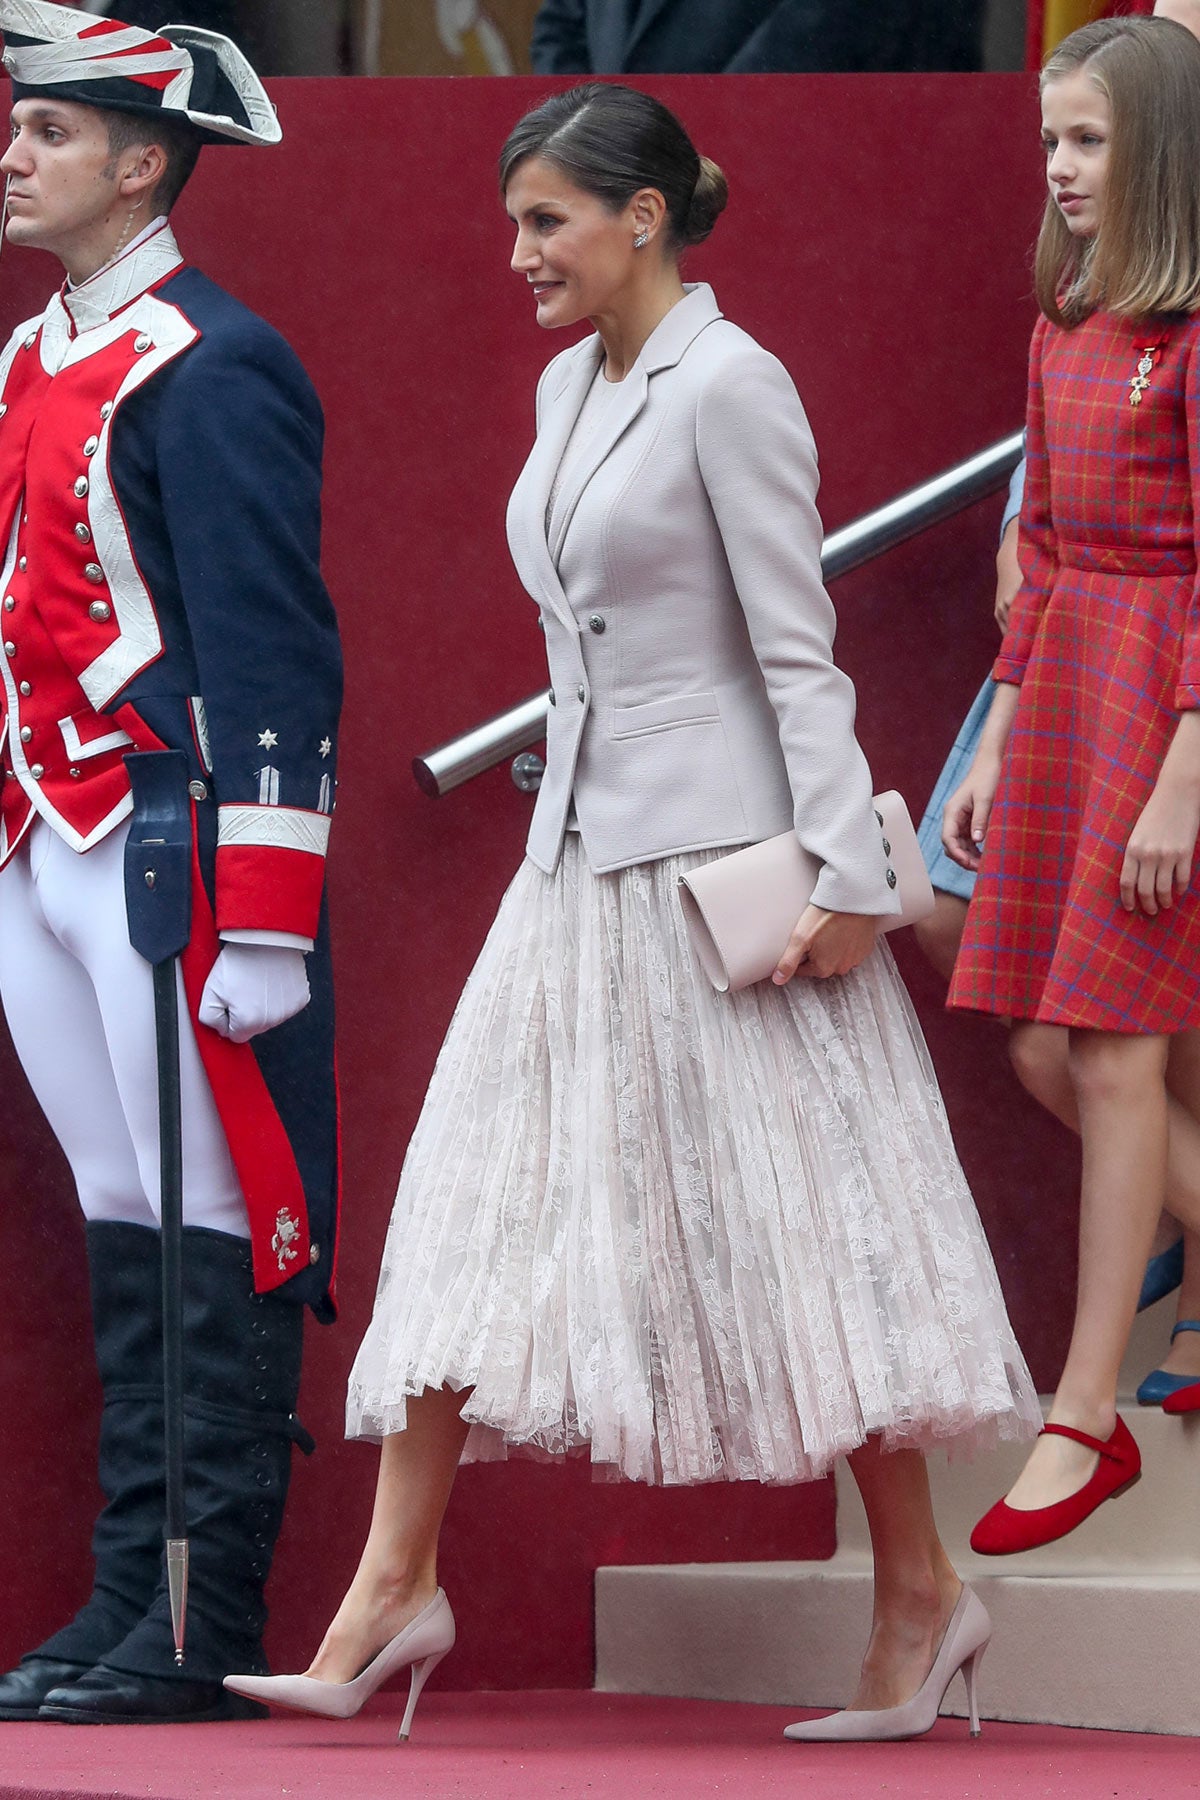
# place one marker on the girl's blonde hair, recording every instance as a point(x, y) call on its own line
point(1145, 256)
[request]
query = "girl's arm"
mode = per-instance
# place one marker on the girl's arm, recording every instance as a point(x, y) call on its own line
point(1157, 866)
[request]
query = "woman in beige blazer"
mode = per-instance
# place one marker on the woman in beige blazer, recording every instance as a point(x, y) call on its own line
point(707, 1236)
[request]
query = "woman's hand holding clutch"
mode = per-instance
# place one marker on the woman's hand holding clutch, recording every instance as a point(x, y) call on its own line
point(826, 943)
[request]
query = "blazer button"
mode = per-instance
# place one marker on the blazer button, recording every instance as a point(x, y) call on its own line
point(581, 693)
point(142, 343)
point(106, 410)
point(100, 611)
point(23, 564)
point(91, 446)
point(26, 734)
point(25, 690)
point(94, 573)
point(891, 878)
point(82, 533)
point(81, 487)
point(9, 603)
point(550, 697)
point(10, 649)
point(314, 1253)
point(37, 771)
point(197, 790)
point(596, 623)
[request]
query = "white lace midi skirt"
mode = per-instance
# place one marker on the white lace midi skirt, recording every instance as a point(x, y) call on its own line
point(709, 1236)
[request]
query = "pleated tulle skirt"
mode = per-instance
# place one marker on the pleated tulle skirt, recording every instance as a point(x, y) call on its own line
point(709, 1236)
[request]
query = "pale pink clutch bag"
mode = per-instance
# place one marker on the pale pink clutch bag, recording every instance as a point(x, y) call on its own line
point(742, 908)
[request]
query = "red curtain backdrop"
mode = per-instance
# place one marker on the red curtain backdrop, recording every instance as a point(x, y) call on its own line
point(896, 288)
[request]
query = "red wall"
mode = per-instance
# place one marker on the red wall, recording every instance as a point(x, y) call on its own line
point(878, 240)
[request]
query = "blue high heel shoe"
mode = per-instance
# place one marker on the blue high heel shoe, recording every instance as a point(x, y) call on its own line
point(1164, 1273)
point(1158, 1384)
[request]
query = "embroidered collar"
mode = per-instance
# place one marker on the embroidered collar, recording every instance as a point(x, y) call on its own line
point(148, 260)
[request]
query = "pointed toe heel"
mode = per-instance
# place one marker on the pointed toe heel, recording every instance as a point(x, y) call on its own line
point(420, 1647)
point(966, 1638)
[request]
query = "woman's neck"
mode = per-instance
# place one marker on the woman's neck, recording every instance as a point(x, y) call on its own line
point(625, 329)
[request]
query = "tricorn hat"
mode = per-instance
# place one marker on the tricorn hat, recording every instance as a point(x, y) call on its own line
point(180, 72)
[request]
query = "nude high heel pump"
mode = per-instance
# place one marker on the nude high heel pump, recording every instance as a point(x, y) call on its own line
point(965, 1640)
point(420, 1647)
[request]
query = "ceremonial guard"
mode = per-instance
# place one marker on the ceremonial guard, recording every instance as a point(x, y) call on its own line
point(160, 468)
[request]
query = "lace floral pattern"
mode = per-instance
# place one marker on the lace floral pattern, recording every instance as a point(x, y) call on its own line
point(710, 1236)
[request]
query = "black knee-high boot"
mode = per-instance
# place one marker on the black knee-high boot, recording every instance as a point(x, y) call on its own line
point(242, 1354)
point(124, 1263)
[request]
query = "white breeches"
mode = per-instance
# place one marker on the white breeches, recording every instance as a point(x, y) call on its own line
point(80, 1006)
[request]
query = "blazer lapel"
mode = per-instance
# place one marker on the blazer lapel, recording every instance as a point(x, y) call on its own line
point(625, 405)
point(662, 350)
point(536, 560)
point(527, 511)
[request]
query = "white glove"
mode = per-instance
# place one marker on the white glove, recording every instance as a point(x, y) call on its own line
point(252, 987)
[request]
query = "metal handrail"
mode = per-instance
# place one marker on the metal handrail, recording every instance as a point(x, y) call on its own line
point(447, 767)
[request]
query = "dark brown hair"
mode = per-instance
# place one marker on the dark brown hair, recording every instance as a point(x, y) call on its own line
point(1145, 255)
point(612, 141)
point(180, 143)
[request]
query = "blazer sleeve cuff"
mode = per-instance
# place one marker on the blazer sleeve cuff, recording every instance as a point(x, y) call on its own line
point(838, 892)
point(270, 871)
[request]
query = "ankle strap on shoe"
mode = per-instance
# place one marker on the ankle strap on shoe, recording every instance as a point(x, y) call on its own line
point(1100, 1446)
point(1184, 1325)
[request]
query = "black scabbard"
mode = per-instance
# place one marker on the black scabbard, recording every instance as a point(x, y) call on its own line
point(158, 899)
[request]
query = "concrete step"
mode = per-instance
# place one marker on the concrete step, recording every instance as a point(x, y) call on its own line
point(1090, 1631)
point(1103, 1650)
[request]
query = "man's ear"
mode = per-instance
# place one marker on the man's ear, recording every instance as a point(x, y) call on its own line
point(143, 175)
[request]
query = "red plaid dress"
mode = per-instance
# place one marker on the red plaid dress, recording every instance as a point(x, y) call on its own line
point(1104, 641)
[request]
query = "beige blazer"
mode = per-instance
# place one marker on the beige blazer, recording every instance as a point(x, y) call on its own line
point(695, 701)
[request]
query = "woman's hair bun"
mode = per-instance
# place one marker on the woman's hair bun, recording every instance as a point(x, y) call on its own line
point(708, 202)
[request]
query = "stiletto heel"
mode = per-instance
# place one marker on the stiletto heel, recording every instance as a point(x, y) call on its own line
point(966, 1638)
point(970, 1671)
point(419, 1647)
point(421, 1671)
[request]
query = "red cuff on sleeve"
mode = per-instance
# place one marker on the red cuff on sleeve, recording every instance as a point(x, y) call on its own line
point(268, 889)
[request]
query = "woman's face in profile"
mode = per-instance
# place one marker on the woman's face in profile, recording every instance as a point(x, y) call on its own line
point(576, 254)
point(1076, 128)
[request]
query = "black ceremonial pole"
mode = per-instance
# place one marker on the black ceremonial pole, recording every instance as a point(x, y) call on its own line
point(158, 900)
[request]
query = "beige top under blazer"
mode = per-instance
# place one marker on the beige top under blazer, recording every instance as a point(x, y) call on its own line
point(695, 701)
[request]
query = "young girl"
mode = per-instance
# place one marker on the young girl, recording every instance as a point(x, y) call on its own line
point(1087, 780)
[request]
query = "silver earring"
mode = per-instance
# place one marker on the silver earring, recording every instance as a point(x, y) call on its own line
point(641, 240)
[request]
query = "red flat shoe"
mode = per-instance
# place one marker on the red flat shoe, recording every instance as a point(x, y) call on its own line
point(1183, 1400)
point(1005, 1530)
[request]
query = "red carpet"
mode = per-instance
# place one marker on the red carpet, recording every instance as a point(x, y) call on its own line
point(581, 1746)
